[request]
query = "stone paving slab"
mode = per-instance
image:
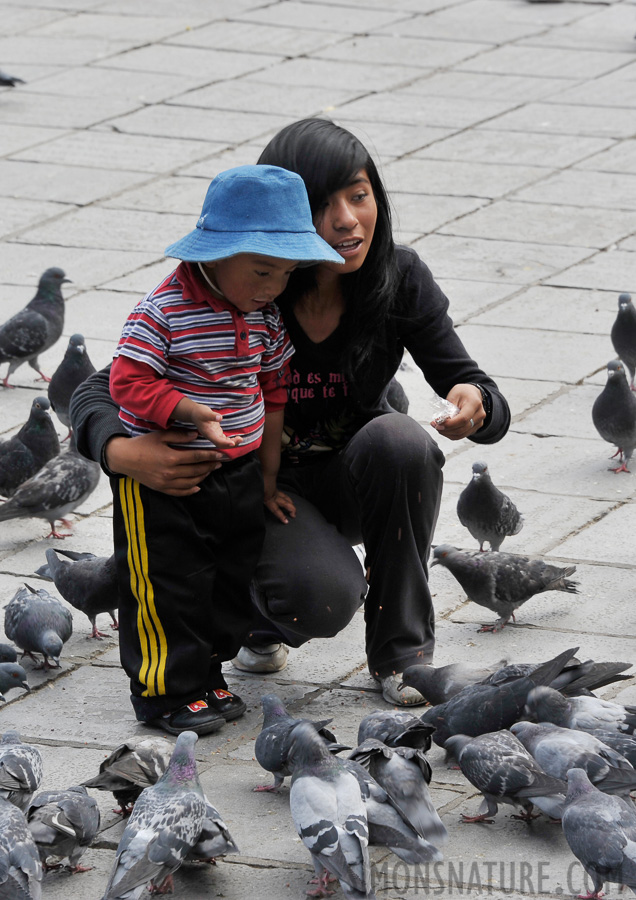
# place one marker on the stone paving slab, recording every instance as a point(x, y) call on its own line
point(561, 309)
point(593, 121)
point(612, 271)
point(458, 178)
point(619, 158)
point(62, 183)
point(611, 191)
point(256, 37)
point(551, 62)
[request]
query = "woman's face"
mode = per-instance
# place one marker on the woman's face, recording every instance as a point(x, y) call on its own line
point(347, 223)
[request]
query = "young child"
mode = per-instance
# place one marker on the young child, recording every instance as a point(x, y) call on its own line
point(206, 350)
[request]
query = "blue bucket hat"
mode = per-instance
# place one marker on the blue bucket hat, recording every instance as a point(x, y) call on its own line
point(255, 209)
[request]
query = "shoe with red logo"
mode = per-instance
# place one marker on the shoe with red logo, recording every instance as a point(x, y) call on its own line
point(226, 704)
point(197, 716)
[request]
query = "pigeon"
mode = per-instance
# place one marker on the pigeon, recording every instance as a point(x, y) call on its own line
point(585, 713)
point(272, 744)
point(24, 454)
point(12, 675)
point(20, 867)
point(622, 743)
point(130, 768)
point(389, 826)
point(486, 512)
point(396, 728)
point(7, 80)
point(20, 770)
point(38, 623)
point(329, 814)
point(8, 653)
point(623, 335)
point(404, 773)
point(437, 685)
point(63, 825)
point(36, 327)
point(500, 767)
point(614, 415)
point(87, 582)
point(502, 582)
point(601, 832)
point(214, 839)
point(164, 826)
point(558, 749)
point(60, 486)
point(71, 372)
point(483, 708)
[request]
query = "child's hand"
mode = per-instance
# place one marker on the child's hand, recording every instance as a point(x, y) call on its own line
point(207, 423)
point(276, 501)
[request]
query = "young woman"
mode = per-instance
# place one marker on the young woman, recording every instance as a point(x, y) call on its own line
point(356, 470)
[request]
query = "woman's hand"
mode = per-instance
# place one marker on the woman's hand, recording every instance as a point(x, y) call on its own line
point(469, 419)
point(149, 459)
point(277, 502)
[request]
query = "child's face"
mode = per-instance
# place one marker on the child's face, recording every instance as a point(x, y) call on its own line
point(250, 281)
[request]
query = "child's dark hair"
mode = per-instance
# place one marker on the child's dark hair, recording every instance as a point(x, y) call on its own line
point(327, 157)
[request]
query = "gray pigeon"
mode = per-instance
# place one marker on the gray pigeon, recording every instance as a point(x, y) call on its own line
point(63, 825)
point(24, 454)
point(439, 684)
point(36, 327)
point(482, 708)
point(272, 744)
point(8, 653)
point(7, 80)
point(38, 623)
point(12, 675)
point(329, 814)
point(585, 713)
point(614, 414)
point(404, 773)
point(164, 826)
point(502, 582)
point(395, 728)
point(60, 486)
point(130, 768)
point(623, 334)
point(71, 372)
point(214, 839)
point(20, 770)
point(622, 743)
point(501, 768)
point(485, 511)
point(558, 749)
point(20, 867)
point(86, 581)
point(601, 832)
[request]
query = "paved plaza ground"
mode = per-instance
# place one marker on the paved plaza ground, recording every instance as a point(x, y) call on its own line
point(506, 132)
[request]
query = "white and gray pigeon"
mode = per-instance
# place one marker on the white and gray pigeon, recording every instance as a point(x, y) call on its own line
point(623, 334)
point(71, 372)
point(502, 582)
point(63, 824)
point(20, 867)
point(86, 581)
point(164, 826)
point(585, 713)
point(559, 749)
point(12, 675)
point(601, 832)
point(396, 728)
point(214, 839)
point(488, 513)
point(131, 767)
point(499, 766)
point(24, 454)
point(20, 770)
point(329, 814)
point(273, 743)
point(61, 485)
point(36, 327)
point(614, 415)
point(38, 623)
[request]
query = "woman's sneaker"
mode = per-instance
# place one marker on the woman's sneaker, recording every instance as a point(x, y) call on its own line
point(264, 658)
point(196, 716)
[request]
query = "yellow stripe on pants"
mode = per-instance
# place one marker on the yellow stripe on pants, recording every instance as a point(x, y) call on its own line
point(152, 638)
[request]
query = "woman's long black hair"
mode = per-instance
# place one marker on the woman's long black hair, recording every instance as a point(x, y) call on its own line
point(327, 157)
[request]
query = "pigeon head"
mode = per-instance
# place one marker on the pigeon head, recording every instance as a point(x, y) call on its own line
point(307, 747)
point(420, 677)
point(273, 708)
point(525, 731)
point(51, 645)
point(615, 369)
point(12, 675)
point(183, 765)
point(41, 403)
point(442, 553)
point(53, 278)
point(624, 301)
point(456, 743)
point(76, 344)
point(479, 469)
point(578, 784)
point(544, 704)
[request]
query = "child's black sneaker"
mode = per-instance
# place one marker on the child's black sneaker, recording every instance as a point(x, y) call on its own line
point(226, 704)
point(196, 716)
